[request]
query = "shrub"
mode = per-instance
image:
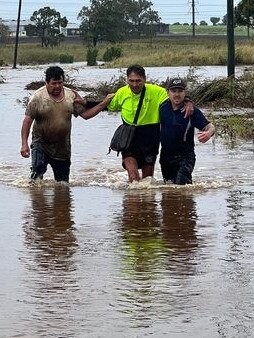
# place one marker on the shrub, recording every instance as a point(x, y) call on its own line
point(112, 53)
point(91, 56)
point(66, 58)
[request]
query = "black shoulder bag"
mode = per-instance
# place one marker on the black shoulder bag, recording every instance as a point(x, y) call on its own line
point(124, 134)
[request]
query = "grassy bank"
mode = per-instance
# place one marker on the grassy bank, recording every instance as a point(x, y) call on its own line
point(184, 51)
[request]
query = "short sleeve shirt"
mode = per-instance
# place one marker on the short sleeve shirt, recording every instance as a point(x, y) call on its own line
point(177, 132)
point(52, 122)
point(126, 102)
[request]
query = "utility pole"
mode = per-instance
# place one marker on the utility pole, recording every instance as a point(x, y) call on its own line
point(193, 18)
point(17, 36)
point(230, 38)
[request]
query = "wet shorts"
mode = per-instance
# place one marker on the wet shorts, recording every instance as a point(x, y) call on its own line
point(145, 145)
point(141, 157)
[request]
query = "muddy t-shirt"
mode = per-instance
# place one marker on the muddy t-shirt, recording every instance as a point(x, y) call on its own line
point(52, 122)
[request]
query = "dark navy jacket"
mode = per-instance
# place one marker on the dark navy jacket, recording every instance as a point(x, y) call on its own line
point(177, 132)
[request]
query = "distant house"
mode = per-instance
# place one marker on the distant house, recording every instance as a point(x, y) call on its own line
point(12, 25)
point(72, 29)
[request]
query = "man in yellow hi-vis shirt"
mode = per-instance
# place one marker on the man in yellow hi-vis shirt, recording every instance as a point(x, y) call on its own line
point(145, 145)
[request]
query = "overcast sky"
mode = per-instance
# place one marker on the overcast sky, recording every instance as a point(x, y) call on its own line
point(170, 11)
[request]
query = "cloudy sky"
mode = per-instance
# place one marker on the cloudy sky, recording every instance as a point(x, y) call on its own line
point(170, 11)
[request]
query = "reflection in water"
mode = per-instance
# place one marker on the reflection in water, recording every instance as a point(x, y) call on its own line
point(48, 227)
point(50, 244)
point(156, 226)
point(140, 226)
point(159, 241)
point(178, 227)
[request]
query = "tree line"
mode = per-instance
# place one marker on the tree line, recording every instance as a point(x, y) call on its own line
point(114, 21)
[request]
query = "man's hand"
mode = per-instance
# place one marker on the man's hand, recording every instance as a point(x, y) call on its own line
point(25, 151)
point(205, 135)
point(108, 98)
point(89, 113)
point(188, 108)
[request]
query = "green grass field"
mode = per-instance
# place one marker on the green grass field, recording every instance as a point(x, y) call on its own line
point(209, 30)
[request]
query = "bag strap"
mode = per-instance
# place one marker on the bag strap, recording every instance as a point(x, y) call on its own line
point(142, 95)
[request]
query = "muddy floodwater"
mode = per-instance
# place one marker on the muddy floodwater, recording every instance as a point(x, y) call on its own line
point(101, 258)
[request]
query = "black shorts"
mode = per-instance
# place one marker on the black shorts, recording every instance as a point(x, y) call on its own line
point(141, 158)
point(40, 161)
point(145, 145)
point(178, 169)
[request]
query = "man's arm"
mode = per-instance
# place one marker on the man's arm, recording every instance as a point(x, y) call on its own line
point(89, 113)
point(25, 130)
point(206, 133)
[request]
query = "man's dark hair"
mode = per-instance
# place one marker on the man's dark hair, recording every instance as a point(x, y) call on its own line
point(54, 73)
point(137, 69)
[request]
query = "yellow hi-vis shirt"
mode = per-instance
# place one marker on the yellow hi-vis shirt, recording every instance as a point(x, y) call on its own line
point(127, 102)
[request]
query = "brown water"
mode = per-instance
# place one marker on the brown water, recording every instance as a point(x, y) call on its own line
point(101, 258)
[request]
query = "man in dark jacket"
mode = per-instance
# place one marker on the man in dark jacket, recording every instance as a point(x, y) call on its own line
point(177, 156)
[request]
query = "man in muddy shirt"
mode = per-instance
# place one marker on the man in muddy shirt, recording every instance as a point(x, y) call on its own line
point(51, 109)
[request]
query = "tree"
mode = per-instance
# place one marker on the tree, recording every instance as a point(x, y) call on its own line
point(203, 23)
point(115, 20)
point(104, 19)
point(225, 19)
point(150, 20)
point(31, 30)
point(244, 14)
point(4, 33)
point(141, 16)
point(48, 23)
point(214, 20)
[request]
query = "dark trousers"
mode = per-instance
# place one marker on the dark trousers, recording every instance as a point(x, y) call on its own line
point(178, 169)
point(40, 161)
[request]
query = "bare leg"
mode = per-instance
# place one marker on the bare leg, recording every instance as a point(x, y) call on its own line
point(147, 170)
point(131, 166)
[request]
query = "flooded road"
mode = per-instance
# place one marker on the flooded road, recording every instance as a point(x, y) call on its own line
point(101, 258)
